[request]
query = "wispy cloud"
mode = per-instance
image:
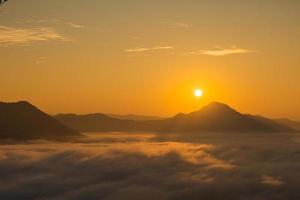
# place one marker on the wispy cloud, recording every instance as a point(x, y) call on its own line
point(73, 25)
point(39, 21)
point(51, 21)
point(40, 60)
point(12, 35)
point(222, 52)
point(143, 49)
point(272, 181)
point(178, 24)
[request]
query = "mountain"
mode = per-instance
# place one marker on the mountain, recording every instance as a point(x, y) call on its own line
point(135, 117)
point(95, 122)
point(215, 117)
point(291, 123)
point(219, 117)
point(22, 121)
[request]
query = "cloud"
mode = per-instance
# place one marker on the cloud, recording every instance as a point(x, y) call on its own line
point(178, 24)
point(141, 166)
point(38, 21)
point(222, 52)
point(143, 49)
point(51, 21)
point(272, 181)
point(96, 170)
point(40, 60)
point(12, 35)
point(75, 25)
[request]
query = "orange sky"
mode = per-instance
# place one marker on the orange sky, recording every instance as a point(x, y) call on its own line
point(148, 57)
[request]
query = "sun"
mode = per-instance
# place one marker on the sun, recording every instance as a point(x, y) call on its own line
point(198, 93)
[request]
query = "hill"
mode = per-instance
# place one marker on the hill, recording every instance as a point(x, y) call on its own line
point(22, 121)
point(219, 117)
point(291, 123)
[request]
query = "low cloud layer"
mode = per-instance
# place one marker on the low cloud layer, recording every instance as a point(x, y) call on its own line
point(123, 166)
point(13, 35)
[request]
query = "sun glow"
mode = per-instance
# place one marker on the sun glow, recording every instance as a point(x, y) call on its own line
point(198, 93)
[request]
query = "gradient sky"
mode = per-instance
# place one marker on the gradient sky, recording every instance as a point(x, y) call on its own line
point(147, 57)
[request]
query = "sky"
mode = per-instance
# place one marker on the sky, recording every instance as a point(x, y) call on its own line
point(148, 57)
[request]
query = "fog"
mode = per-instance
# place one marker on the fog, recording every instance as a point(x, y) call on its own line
point(148, 166)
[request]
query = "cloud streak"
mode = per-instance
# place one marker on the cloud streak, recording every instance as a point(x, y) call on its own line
point(13, 36)
point(73, 25)
point(272, 181)
point(145, 49)
point(52, 21)
point(178, 24)
point(222, 52)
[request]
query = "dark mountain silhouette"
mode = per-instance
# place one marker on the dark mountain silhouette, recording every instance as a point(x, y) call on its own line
point(215, 117)
point(22, 121)
point(135, 117)
point(95, 122)
point(291, 123)
point(219, 117)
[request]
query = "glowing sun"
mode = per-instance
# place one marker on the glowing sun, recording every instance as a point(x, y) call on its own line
point(198, 93)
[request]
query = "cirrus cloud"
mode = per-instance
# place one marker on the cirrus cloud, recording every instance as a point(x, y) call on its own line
point(178, 24)
point(13, 35)
point(143, 49)
point(73, 25)
point(222, 52)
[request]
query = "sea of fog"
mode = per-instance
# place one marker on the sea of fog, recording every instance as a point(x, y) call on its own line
point(121, 166)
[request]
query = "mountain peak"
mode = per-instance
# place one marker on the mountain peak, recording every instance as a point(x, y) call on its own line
point(22, 120)
point(217, 104)
point(23, 103)
point(214, 117)
point(18, 103)
point(217, 107)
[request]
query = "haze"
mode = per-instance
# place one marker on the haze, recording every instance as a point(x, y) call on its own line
point(149, 99)
point(148, 57)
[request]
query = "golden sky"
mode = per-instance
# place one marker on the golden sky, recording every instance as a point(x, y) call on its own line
point(148, 57)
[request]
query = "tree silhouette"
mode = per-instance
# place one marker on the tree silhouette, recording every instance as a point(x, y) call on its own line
point(2, 1)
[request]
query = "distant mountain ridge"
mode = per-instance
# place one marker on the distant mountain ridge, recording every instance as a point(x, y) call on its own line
point(135, 117)
point(95, 122)
point(215, 117)
point(219, 117)
point(23, 121)
point(291, 123)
